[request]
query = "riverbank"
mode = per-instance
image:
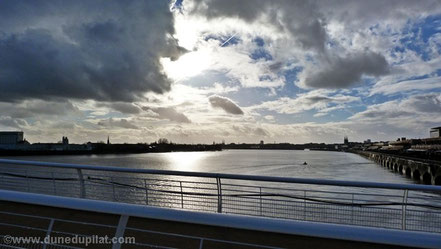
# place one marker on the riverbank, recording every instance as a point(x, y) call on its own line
point(101, 149)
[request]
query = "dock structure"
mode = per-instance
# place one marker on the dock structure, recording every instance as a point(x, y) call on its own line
point(423, 171)
point(177, 209)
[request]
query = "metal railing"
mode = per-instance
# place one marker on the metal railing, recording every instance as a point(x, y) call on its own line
point(65, 233)
point(396, 206)
point(129, 222)
point(84, 240)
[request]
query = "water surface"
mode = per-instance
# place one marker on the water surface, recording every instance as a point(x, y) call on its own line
point(288, 163)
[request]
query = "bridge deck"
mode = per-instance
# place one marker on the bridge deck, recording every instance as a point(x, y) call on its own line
point(150, 232)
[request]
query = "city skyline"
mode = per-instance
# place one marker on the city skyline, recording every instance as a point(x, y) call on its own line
point(197, 71)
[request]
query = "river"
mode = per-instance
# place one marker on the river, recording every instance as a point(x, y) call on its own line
point(288, 163)
point(373, 206)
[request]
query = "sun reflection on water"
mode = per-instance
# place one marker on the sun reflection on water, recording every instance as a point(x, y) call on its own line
point(186, 161)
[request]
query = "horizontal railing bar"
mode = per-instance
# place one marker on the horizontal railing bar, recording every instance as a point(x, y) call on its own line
point(229, 176)
point(153, 246)
point(200, 238)
point(24, 227)
point(326, 200)
point(312, 229)
point(312, 191)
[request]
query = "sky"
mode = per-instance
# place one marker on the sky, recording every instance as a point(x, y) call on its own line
point(203, 71)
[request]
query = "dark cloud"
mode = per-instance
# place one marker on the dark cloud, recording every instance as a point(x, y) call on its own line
point(250, 130)
point(127, 108)
point(343, 72)
point(261, 132)
point(102, 50)
point(225, 104)
point(11, 122)
point(298, 18)
point(306, 22)
point(368, 13)
point(169, 113)
point(117, 123)
point(35, 108)
point(409, 108)
point(318, 98)
point(428, 103)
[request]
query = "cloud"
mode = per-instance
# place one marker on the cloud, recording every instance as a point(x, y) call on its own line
point(117, 123)
point(39, 108)
point(411, 117)
point(368, 13)
point(429, 103)
point(169, 113)
point(261, 132)
point(422, 107)
point(225, 104)
point(313, 100)
point(407, 85)
point(299, 19)
point(336, 46)
point(12, 122)
point(101, 50)
point(342, 72)
point(126, 108)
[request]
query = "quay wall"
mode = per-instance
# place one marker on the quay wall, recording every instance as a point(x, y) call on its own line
point(422, 171)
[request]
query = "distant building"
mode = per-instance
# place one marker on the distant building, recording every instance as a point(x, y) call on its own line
point(108, 139)
point(65, 141)
point(11, 137)
point(346, 140)
point(435, 132)
point(261, 142)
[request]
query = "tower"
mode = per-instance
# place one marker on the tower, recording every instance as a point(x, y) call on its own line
point(108, 139)
point(346, 140)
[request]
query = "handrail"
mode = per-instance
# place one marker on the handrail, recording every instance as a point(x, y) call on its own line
point(290, 227)
point(340, 183)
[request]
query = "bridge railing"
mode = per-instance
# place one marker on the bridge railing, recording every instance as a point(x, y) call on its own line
point(396, 206)
point(42, 221)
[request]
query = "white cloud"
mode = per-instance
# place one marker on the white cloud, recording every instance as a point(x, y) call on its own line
point(314, 100)
point(407, 85)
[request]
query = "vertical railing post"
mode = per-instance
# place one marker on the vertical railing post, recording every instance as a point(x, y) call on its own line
point(260, 195)
point(201, 244)
point(304, 204)
point(219, 195)
point(146, 192)
point(48, 233)
point(120, 229)
point(404, 207)
point(53, 183)
point(182, 195)
point(82, 185)
point(113, 188)
point(352, 210)
point(27, 181)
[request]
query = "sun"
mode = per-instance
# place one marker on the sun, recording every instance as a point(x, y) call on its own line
point(188, 65)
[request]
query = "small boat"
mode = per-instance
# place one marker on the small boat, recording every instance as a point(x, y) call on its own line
point(305, 163)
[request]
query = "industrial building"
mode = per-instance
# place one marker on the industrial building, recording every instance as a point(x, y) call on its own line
point(435, 132)
point(11, 137)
